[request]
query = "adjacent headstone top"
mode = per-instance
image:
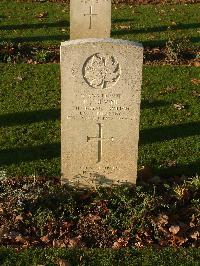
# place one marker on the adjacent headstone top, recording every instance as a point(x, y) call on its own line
point(101, 86)
point(90, 19)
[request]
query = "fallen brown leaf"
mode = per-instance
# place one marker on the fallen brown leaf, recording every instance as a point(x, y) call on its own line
point(174, 229)
point(123, 27)
point(145, 174)
point(45, 239)
point(178, 241)
point(3, 230)
point(179, 106)
point(19, 78)
point(196, 63)
point(195, 235)
point(63, 263)
point(42, 15)
point(120, 243)
point(163, 219)
point(20, 239)
point(196, 93)
point(171, 163)
point(195, 81)
point(18, 218)
point(59, 244)
point(30, 61)
point(1, 211)
point(75, 242)
point(66, 225)
point(93, 218)
point(168, 90)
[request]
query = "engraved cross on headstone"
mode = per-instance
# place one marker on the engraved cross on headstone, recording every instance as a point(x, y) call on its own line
point(100, 139)
point(90, 14)
point(90, 19)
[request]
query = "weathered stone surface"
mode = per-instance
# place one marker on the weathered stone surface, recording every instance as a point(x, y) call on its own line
point(101, 86)
point(90, 19)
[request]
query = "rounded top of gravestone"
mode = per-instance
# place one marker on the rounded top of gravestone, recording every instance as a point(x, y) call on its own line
point(107, 40)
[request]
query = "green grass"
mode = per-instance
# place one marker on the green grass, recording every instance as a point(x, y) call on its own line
point(101, 257)
point(30, 125)
point(152, 24)
point(30, 130)
point(167, 134)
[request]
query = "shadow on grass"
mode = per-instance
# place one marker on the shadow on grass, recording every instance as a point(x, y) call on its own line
point(161, 43)
point(52, 150)
point(29, 117)
point(190, 169)
point(59, 38)
point(35, 26)
point(18, 155)
point(22, 118)
point(145, 104)
point(151, 135)
point(116, 32)
point(155, 29)
point(24, 154)
point(154, 43)
point(121, 20)
point(35, 39)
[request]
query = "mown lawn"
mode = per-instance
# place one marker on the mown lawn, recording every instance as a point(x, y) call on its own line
point(47, 24)
point(101, 257)
point(30, 120)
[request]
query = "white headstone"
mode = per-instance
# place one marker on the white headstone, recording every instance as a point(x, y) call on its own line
point(101, 86)
point(90, 19)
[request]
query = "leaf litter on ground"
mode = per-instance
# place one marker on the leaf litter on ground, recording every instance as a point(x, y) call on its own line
point(40, 213)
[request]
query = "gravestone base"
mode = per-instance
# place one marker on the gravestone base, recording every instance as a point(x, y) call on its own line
point(100, 103)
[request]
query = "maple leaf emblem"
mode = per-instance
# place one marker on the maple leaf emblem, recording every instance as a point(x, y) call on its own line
point(101, 72)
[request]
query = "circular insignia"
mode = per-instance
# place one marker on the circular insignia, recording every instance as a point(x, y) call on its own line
point(101, 71)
